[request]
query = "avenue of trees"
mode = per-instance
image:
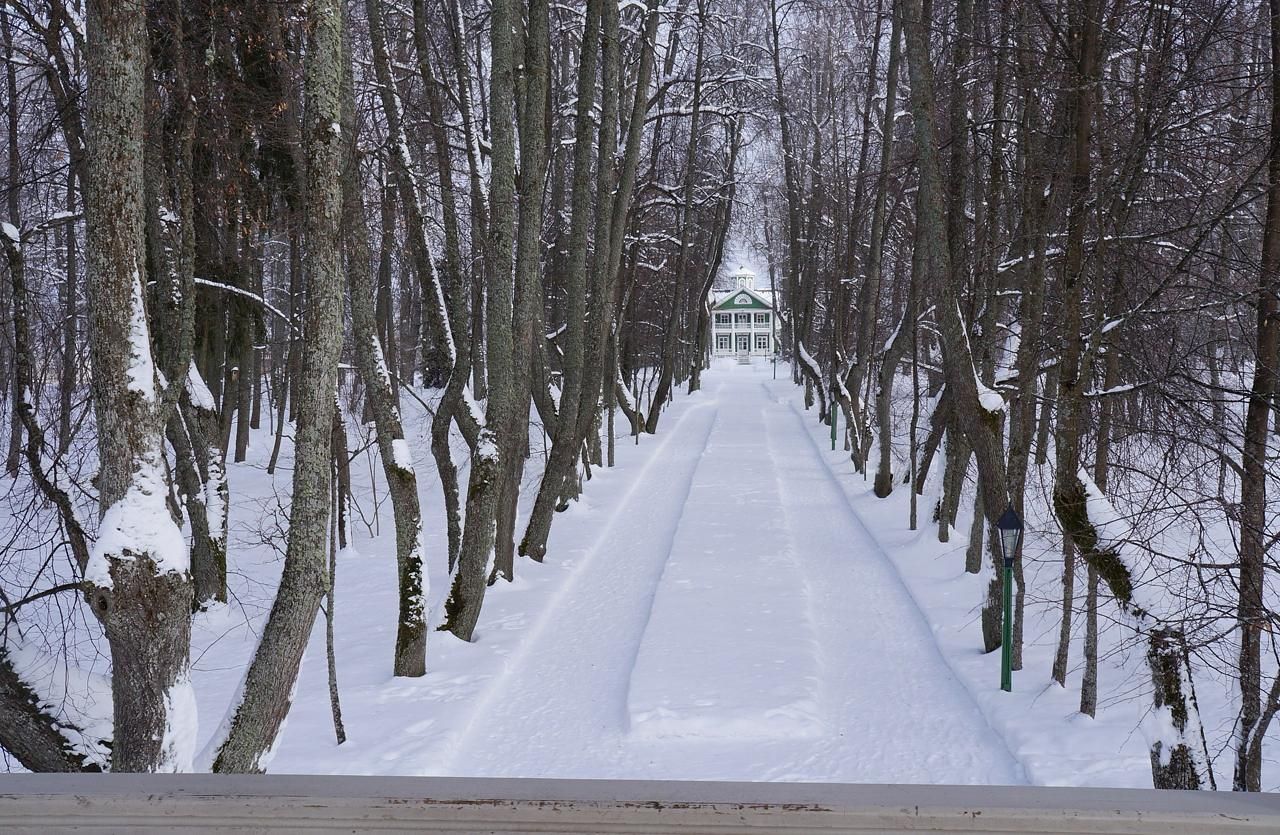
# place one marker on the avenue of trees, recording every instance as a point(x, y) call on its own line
point(1057, 226)
point(1015, 244)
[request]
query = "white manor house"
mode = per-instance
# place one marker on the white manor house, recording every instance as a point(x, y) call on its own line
point(742, 318)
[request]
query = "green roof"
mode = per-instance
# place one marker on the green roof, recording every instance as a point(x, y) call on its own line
point(735, 301)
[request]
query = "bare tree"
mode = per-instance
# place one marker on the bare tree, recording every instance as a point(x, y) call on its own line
point(1252, 615)
point(267, 692)
point(410, 658)
point(138, 572)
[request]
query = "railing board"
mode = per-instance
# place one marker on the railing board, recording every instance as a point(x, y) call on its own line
point(283, 803)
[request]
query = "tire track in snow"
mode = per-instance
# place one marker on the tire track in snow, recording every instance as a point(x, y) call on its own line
point(729, 654)
point(893, 590)
point(565, 688)
point(893, 710)
point(819, 647)
point(826, 580)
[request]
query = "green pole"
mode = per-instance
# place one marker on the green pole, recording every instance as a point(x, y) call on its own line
point(773, 327)
point(1006, 632)
point(834, 421)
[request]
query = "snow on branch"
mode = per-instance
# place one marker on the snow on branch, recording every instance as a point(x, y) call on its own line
point(204, 282)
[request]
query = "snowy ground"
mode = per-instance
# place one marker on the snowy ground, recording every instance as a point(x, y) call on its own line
point(729, 602)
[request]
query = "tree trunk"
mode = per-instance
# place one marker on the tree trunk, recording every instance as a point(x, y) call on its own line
point(267, 691)
point(1063, 652)
point(453, 406)
point(1089, 682)
point(533, 113)
point(442, 359)
point(138, 575)
point(675, 319)
point(600, 286)
point(330, 614)
point(496, 447)
point(564, 447)
point(286, 405)
point(410, 655)
point(1251, 613)
point(978, 414)
point(721, 229)
point(34, 736)
point(1073, 377)
point(869, 295)
point(792, 191)
point(68, 381)
point(12, 247)
point(198, 421)
point(893, 355)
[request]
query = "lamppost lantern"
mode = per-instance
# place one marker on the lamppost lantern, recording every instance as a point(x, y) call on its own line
point(1009, 526)
point(1009, 535)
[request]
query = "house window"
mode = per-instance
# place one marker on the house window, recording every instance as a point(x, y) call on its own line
point(762, 342)
point(722, 342)
point(742, 299)
point(724, 318)
point(742, 318)
point(762, 318)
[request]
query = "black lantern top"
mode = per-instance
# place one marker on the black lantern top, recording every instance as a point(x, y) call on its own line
point(1009, 526)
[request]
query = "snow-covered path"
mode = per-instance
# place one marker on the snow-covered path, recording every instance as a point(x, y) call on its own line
point(731, 619)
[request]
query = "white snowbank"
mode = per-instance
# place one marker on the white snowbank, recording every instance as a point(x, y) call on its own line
point(1110, 526)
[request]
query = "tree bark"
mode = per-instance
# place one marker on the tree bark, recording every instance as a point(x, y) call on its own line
point(30, 732)
point(138, 576)
point(672, 333)
point(410, 654)
point(69, 379)
point(452, 405)
point(869, 294)
point(1063, 652)
point(495, 447)
point(443, 359)
point(979, 420)
point(268, 687)
point(1251, 613)
point(564, 447)
point(12, 248)
point(1073, 376)
point(1089, 681)
point(533, 114)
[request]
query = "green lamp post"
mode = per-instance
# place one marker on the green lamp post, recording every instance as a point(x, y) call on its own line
point(1009, 535)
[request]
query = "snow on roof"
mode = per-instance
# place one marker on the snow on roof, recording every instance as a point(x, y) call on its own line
point(764, 296)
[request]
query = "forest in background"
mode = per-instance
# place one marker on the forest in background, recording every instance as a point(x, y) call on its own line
point(1056, 223)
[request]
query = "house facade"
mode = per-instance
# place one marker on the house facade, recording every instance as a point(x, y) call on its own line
point(742, 320)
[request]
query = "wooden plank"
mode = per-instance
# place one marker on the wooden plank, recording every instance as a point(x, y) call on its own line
point(281, 803)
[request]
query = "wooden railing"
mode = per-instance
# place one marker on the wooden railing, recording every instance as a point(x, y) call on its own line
point(227, 803)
